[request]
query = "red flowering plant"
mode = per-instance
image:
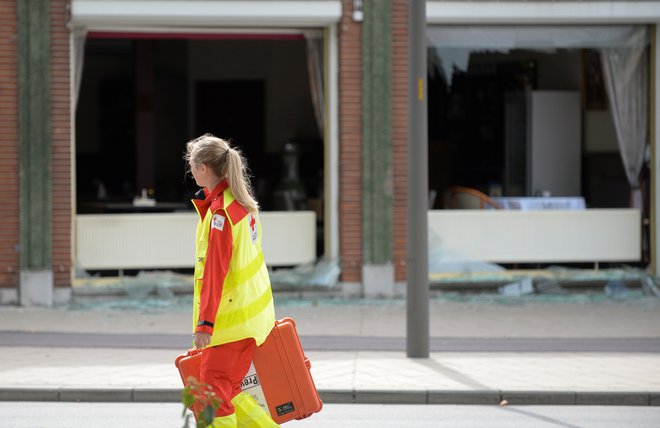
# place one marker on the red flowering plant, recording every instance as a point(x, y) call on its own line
point(201, 400)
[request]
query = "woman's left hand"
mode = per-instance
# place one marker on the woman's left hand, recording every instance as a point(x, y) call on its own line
point(201, 340)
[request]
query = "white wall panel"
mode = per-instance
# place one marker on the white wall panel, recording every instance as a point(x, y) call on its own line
point(167, 240)
point(594, 235)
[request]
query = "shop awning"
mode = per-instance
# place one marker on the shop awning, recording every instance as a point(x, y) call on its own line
point(118, 14)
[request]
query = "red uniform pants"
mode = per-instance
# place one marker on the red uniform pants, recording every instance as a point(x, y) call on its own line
point(223, 367)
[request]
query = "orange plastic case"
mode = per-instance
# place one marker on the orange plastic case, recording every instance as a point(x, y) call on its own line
point(281, 380)
point(284, 373)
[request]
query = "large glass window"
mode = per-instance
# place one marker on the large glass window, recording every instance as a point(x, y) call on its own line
point(142, 99)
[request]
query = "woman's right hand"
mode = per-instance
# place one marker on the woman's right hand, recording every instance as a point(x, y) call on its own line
point(201, 340)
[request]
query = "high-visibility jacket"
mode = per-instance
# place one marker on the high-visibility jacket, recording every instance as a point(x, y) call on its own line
point(245, 308)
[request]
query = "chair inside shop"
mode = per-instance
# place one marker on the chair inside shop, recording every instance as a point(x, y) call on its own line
point(467, 198)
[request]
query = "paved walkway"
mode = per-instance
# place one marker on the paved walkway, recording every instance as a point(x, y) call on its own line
point(82, 369)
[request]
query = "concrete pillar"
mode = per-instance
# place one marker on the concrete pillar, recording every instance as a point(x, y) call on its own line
point(35, 200)
point(377, 270)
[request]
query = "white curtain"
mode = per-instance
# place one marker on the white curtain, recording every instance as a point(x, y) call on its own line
point(79, 38)
point(625, 69)
point(314, 42)
point(454, 44)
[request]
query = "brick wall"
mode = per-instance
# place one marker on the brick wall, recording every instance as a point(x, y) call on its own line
point(400, 136)
point(350, 137)
point(350, 140)
point(61, 142)
point(9, 226)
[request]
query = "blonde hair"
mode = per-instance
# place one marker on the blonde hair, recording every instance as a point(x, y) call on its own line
point(226, 162)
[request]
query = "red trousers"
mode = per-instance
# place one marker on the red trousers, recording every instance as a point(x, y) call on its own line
point(223, 367)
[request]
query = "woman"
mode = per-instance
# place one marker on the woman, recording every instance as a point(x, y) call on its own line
point(233, 309)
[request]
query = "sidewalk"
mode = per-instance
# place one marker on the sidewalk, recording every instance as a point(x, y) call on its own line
point(617, 375)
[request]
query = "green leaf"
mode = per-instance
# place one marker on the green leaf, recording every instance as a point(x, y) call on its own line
point(188, 398)
point(208, 414)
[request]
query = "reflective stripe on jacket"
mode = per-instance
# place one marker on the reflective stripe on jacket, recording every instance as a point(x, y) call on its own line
point(246, 304)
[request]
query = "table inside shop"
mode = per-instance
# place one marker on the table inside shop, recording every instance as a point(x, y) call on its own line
point(531, 203)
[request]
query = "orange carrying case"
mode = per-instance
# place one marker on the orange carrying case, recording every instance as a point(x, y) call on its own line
point(281, 371)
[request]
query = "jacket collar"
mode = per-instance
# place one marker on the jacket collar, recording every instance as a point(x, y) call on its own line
point(203, 205)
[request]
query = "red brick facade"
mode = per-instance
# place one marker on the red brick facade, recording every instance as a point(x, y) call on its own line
point(61, 164)
point(350, 140)
point(9, 226)
point(61, 145)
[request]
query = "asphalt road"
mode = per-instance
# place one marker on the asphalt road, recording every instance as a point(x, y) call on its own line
point(157, 415)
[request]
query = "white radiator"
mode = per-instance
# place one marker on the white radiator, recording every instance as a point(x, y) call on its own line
point(167, 240)
point(508, 236)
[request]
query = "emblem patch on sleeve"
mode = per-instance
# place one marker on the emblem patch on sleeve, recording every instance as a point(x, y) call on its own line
point(253, 229)
point(218, 222)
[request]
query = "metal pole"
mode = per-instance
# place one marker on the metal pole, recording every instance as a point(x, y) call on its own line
point(417, 300)
point(654, 120)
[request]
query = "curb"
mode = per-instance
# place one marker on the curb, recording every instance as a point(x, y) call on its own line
point(347, 396)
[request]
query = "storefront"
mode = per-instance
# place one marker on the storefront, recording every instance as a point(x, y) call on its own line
point(150, 76)
point(106, 99)
point(546, 122)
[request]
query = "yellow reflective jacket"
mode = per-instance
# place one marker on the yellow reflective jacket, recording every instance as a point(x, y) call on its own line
point(246, 304)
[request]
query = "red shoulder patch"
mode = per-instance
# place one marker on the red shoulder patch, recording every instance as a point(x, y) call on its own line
point(218, 203)
point(236, 212)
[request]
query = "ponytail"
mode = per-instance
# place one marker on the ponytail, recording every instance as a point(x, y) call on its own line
point(226, 162)
point(239, 180)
